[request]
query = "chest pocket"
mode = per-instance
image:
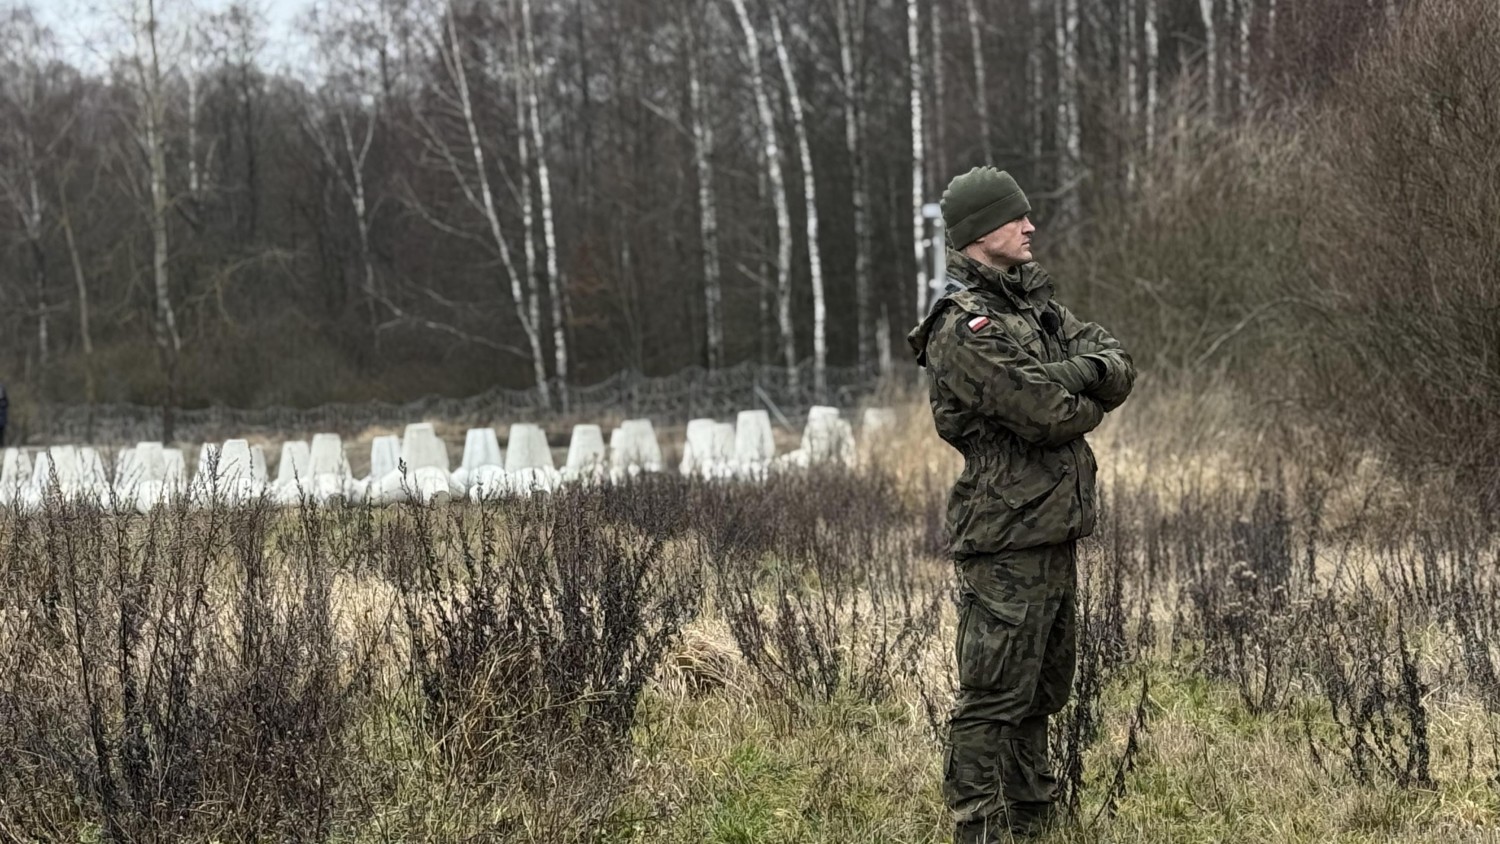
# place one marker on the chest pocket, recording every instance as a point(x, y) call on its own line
point(1019, 328)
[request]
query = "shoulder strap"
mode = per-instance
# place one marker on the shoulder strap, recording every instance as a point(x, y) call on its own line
point(951, 284)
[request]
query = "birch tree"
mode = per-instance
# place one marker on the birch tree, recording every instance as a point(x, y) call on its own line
point(1210, 54)
point(556, 289)
point(702, 133)
point(849, 20)
point(771, 154)
point(1068, 131)
point(1130, 53)
point(1035, 84)
point(810, 197)
point(25, 144)
point(468, 166)
point(149, 78)
point(1152, 60)
point(981, 82)
point(918, 161)
point(938, 157)
point(1242, 87)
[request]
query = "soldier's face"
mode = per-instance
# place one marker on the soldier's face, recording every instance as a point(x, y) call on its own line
point(1008, 246)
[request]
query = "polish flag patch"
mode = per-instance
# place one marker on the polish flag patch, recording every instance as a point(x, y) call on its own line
point(978, 322)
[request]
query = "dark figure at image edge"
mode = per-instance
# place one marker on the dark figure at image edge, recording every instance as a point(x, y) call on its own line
point(1015, 380)
point(4, 413)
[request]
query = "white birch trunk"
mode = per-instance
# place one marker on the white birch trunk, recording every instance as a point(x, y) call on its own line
point(352, 184)
point(1210, 54)
point(554, 283)
point(1069, 142)
point(1242, 59)
point(1270, 33)
point(708, 215)
point(32, 217)
point(1130, 47)
point(938, 159)
point(153, 118)
point(1034, 80)
point(918, 190)
point(981, 82)
point(778, 196)
point(1153, 91)
point(524, 299)
point(849, 43)
point(810, 197)
point(357, 197)
point(195, 179)
point(80, 282)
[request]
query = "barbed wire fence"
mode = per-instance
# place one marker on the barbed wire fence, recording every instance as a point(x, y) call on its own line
point(670, 399)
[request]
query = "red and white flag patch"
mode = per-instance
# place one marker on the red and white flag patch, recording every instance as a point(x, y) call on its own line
point(978, 322)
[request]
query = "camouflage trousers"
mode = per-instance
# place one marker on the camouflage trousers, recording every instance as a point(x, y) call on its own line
point(1016, 656)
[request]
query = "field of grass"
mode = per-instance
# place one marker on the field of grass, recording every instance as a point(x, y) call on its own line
point(1280, 644)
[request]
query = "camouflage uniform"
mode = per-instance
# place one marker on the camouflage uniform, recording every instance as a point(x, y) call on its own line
point(1016, 381)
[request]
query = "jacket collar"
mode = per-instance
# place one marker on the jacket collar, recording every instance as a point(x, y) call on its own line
point(1027, 287)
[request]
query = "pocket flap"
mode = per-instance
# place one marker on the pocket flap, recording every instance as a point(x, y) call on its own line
point(1022, 488)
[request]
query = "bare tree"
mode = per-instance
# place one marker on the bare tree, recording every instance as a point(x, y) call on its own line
point(556, 289)
point(26, 145)
point(468, 168)
point(771, 153)
point(150, 91)
point(1153, 91)
point(1210, 53)
point(1068, 129)
point(981, 81)
point(708, 219)
point(849, 19)
point(918, 161)
point(810, 198)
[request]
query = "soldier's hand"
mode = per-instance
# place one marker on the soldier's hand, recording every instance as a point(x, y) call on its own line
point(1117, 380)
point(1077, 374)
point(1082, 345)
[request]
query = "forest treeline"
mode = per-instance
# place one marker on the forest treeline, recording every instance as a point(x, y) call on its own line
point(423, 196)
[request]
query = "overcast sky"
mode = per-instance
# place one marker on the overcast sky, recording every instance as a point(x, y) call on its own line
point(79, 24)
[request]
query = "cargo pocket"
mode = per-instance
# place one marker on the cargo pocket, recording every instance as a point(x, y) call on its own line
point(1029, 479)
point(991, 642)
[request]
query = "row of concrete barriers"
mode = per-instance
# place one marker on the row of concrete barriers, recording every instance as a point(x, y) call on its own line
point(415, 466)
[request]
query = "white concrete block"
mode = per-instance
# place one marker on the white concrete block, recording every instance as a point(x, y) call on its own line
point(174, 468)
point(423, 485)
point(482, 448)
point(635, 446)
point(488, 482)
point(385, 455)
point(421, 448)
point(15, 475)
point(295, 463)
point(326, 456)
point(697, 446)
point(236, 478)
point(722, 450)
point(527, 448)
point(586, 450)
point(827, 437)
point(15, 468)
point(754, 443)
point(258, 464)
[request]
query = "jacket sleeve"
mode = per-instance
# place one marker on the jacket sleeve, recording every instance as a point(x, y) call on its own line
point(1090, 338)
point(991, 373)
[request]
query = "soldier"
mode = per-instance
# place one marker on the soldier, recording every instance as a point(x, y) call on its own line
point(4, 412)
point(1015, 382)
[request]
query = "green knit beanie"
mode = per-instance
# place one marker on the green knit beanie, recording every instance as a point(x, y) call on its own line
point(980, 201)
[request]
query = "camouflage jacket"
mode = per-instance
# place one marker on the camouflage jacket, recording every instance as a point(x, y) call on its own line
point(1028, 477)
